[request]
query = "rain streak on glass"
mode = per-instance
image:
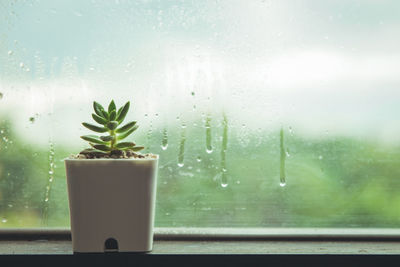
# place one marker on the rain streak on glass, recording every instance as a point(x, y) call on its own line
point(149, 135)
point(209, 148)
point(181, 155)
point(164, 142)
point(45, 210)
point(282, 174)
point(224, 175)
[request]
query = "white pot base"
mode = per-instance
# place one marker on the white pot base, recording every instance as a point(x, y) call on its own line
point(112, 199)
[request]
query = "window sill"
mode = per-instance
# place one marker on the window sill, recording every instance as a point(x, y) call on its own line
point(233, 247)
point(247, 247)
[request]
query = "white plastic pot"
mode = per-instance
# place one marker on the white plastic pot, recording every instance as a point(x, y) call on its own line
point(112, 203)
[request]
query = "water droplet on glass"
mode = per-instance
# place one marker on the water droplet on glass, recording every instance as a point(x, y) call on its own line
point(198, 159)
point(224, 178)
point(28, 70)
point(282, 184)
point(4, 220)
point(10, 52)
point(192, 93)
point(32, 119)
point(237, 182)
point(209, 151)
point(181, 164)
point(320, 157)
point(21, 65)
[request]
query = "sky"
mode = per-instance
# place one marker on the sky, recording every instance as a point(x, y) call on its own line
point(316, 66)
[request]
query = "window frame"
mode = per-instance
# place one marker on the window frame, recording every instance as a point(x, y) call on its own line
point(224, 234)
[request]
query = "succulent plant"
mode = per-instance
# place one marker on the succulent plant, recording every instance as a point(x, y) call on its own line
point(109, 121)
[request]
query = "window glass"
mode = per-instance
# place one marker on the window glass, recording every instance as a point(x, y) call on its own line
point(264, 113)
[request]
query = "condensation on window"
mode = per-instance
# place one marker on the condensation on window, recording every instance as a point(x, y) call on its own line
point(264, 113)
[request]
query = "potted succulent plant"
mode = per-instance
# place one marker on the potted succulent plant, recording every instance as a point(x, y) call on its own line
point(111, 188)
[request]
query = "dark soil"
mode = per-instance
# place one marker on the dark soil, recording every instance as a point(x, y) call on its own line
point(115, 154)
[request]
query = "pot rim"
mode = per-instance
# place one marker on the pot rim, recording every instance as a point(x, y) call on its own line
point(119, 159)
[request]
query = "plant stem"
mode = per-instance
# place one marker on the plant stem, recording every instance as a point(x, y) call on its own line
point(114, 140)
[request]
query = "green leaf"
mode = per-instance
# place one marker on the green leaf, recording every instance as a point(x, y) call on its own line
point(111, 107)
point(93, 139)
point(137, 148)
point(107, 138)
point(105, 114)
point(101, 147)
point(99, 119)
point(126, 134)
point(95, 128)
point(122, 114)
point(119, 111)
point(113, 114)
point(98, 108)
point(112, 124)
point(87, 150)
point(126, 127)
point(91, 150)
point(124, 145)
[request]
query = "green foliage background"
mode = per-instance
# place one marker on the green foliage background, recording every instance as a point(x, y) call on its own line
point(331, 182)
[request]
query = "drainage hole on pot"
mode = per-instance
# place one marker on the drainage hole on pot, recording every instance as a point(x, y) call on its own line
point(111, 245)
